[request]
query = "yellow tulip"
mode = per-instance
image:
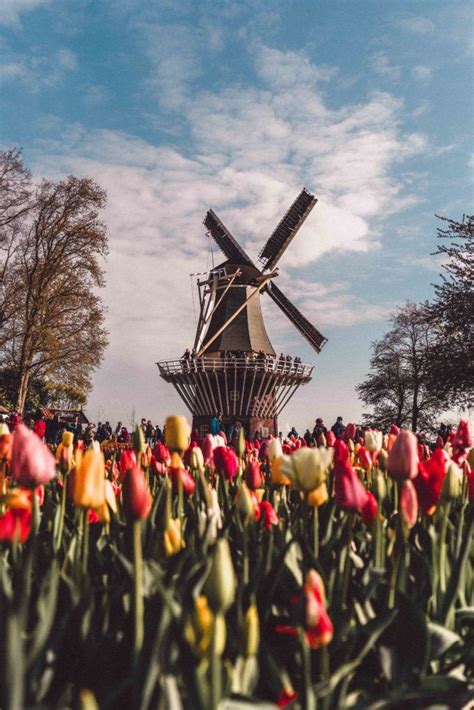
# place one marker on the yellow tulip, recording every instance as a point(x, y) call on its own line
point(67, 438)
point(319, 496)
point(278, 479)
point(89, 481)
point(172, 539)
point(198, 627)
point(177, 433)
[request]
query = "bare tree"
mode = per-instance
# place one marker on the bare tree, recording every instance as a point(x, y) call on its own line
point(54, 327)
point(400, 385)
point(453, 313)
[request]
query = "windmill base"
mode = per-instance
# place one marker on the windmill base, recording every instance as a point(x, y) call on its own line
point(264, 426)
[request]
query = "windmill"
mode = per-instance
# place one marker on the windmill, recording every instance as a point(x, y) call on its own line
point(233, 369)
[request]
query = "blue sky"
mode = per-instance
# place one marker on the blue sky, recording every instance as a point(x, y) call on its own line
point(177, 107)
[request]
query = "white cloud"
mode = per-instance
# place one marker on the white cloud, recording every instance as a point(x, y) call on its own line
point(11, 10)
point(249, 152)
point(382, 66)
point(421, 72)
point(37, 70)
point(417, 24)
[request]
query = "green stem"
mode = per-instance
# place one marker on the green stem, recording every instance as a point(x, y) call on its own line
point(310, 702)
point(316, 531)
point(442, 547)
point(59, 537)
point(138, 629)
point(347, 561)
point(85, 545)
point(325, 673)
point(216, 669)
point(245, 554)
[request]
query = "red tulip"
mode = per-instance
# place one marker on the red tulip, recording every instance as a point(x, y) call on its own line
point(470, 486)
point(128, 460)
point(269, 516)
point(402, 461)
point(364, 459)
point(439, 442)
point(429, 482)
point(286, 697)
point(92, 516)
point(463, 438)
point(349, 432)
point(349, 490)
point(187, 480)
point(330, 438)
point(16, 523)
point(395, 430)
point(136, 496)
point(253, 475)
point(32, 463)
point(409, 503)
point(341, 452)
point(369, 510)
point(226, 462)
point(161, 453)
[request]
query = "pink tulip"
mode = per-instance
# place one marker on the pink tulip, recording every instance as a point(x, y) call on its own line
point(208, 449)
point(32, 463)
point(330, 438)
point(409, 503)
point(402, 461)
point(341, 452)
point(348, 488)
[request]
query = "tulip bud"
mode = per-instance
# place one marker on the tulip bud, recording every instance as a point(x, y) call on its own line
point(220, 585)
point(245, 504)
point(373, 440)
point(402, 461)
point(138, 440)
point(251, 632)
point(241, 444)
point(128, 460)
point(330, 438)
point(350, 432)
point(172, 538)
point(32, 463)
point(198, 627)
point(5, 442)
point(380, 487)
point(67, 438)
point(197, 459)
point(452, 484)
point(369, 510)
point(253, 475)
point(89, 480)
point(136, 496)
point(177, 433)
point(382, 459)
point(307, 468)
point(274, 449)
point(408, 504)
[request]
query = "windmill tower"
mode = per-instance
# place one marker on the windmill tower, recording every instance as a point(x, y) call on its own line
point(234, 369)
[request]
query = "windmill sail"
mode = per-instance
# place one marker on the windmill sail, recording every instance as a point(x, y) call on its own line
point(307, 330)
point(281, 237)
point(225, 240)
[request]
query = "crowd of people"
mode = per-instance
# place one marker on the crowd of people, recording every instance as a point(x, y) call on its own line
point(284, 363)
point(51, 431)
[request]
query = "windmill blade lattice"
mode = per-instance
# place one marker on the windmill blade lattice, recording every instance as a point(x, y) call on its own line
point(225, 240)
point(307, 330)
point(286, 230)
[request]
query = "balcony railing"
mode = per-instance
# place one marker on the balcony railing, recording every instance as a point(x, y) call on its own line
point(210, 364)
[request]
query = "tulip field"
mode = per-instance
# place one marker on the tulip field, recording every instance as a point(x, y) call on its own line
point(200, 575)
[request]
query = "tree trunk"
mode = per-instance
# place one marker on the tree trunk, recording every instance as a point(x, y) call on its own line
point(23, 380)
point(415, 410)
